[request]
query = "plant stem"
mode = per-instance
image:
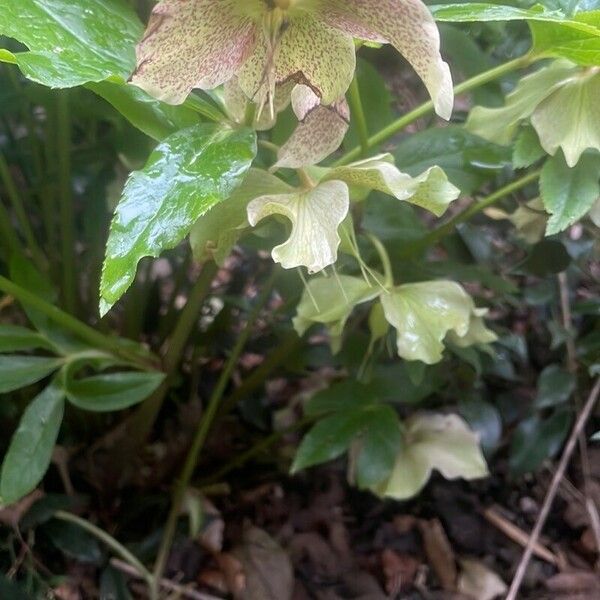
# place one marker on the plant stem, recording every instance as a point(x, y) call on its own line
point(8, 237)
point(85, 332)
point(426, 108)
point(358, 113)
point(66, 207)
point(201, 435)
point(447, 228)
point(109, 541)
point(17, 203)
point(142, 421)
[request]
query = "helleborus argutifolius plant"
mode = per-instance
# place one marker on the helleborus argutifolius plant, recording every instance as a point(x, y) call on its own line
point(205, 43)
point(561, 100)
point(316, 212)
point(424, 314)
point(433, 442)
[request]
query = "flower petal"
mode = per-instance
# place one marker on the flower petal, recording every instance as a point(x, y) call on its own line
point(409, 27)
point(315, 215)
point(320, 132)
point(196, 43)
point(569, 118)
point(434, 442)
point(308, 52)
point(430, 190)
point(423, 313)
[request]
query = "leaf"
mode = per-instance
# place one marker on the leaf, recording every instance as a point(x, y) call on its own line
point(547, 257)
point(468, 160)
point(481, 11)
point(527, 149)
point(73, 541)
point(341, 396)
point(554, 386)
point(379, 446)
point(113, 391)
point(156, 119)
point(536, 440)
point(71, 43)
point(329, 438)
point(485, 420)
point(14, 338)
point(187, 174)
point(113, 585)
point(433, 442)
point(30, 450)
point(9, 589)
point(17, 371)
point(569, 193)
point(215, 233)
point(476, 580)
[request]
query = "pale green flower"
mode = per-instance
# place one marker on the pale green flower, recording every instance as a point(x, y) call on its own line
point(204, 43)
point(433, 442)
point(562, 102)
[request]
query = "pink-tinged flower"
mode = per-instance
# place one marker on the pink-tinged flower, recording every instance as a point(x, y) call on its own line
point(205, 43)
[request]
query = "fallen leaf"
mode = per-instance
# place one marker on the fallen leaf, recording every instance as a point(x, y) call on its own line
point(479, 582)
point(439, 553)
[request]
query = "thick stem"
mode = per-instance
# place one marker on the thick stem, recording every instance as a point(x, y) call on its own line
point(358, 114)
point(447, 228)
point(85, 332)
point(66, 207)
point(424, 109)
point(200, 438)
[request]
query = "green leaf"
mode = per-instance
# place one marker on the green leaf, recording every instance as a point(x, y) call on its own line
point(554, 386)
point(156, 119)
point(379, 446)
point(31, 446)
point(536, 440)
point(468, 160)
point(188, 174)
point(14, 338)
point(548, 257)
point(569, 193)
point(329, 438)
point(527, 149)
point(341, 396)
point(113, 585)
point(113, 391)
point(468, 12)
point(72, 43)
point(9, 589)
point(74, 542)
point(17, 371)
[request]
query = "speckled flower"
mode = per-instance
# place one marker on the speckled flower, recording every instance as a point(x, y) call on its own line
point(204, 43)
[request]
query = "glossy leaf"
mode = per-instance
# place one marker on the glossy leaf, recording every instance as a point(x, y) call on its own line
point(188, 174)
point(113, 391)
point(17, 371)
point(569, 193)
point(554, 386)
point(71, 43)
point(31, 446)
point(14, 338)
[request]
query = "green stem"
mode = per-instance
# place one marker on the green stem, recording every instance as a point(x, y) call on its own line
point(424, 109)
point(201, 435)
point(66, 206)
point(109, 541)
point(20, 212)
point(85, 332)
point(447, 228)
point(358, 114)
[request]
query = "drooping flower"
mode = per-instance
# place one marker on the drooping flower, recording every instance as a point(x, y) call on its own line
point(205, 43)
point(561, 100)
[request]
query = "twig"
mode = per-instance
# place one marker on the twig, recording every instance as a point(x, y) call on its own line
point(572, 366)
point(166, 584)
point(517, 535)
point(541, 520)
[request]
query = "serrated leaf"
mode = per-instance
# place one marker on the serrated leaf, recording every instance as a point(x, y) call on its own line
point(17, 371)
point(30, 449)
point(569, 193)
point(72, 43)
point(112, 391)
point(189, 173)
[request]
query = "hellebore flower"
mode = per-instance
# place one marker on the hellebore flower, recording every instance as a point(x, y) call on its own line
point(562, 102)
point(205, 43)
